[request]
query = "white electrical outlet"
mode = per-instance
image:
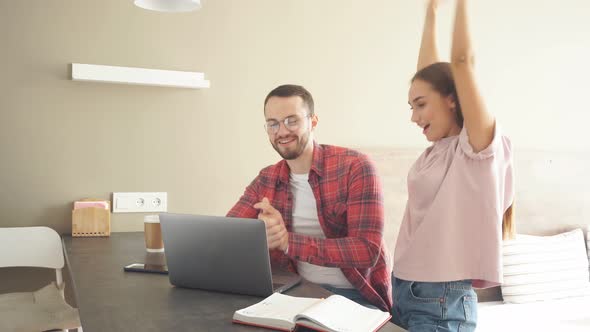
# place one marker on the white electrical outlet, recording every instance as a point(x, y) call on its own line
point(140, 202)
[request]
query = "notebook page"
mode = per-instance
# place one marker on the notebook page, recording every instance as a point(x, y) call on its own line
point(277, 307)
point(338, 313)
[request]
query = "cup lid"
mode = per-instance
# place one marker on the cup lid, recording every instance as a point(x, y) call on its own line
point(152, 218)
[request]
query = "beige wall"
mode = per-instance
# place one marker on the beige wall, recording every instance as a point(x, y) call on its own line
point(62, 140)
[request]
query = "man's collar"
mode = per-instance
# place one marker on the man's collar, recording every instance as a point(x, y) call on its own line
point(317, 164)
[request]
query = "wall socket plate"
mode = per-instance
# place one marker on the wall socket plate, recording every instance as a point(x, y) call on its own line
point(140, 202)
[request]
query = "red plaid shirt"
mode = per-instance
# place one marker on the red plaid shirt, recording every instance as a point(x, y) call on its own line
point(350, 211)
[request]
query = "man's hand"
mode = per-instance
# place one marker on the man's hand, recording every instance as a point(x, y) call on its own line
point(277, 236)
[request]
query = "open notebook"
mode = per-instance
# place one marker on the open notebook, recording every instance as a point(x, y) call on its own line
point(335, 313)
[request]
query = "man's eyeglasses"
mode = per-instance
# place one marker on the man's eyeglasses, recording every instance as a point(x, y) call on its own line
point(292, 123)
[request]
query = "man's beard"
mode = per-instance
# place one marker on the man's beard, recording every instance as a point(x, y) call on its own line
point(295, 152)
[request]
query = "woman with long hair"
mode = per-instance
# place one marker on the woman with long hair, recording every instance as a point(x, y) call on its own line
point(460, 192)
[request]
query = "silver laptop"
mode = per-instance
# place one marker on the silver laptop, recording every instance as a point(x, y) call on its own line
point(220, 254)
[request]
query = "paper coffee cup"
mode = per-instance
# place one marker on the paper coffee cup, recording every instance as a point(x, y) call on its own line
point(153, 234)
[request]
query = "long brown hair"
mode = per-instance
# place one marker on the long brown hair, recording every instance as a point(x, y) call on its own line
point(440, 77)
point(508, 224)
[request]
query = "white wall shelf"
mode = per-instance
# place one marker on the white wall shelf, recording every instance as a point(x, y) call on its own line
point(139, 76)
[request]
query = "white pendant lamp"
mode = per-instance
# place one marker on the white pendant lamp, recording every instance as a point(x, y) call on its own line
point(169, 5)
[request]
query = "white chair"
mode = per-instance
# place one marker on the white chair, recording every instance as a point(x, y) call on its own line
point(46, 308)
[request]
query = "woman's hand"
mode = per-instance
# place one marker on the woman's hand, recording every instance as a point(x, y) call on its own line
point(433, 4)
point(480, 124)
point(428, 47)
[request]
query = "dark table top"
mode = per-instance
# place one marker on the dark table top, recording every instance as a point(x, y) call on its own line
point(110, 299)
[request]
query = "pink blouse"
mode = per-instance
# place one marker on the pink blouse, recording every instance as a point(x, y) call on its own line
point(452, 226)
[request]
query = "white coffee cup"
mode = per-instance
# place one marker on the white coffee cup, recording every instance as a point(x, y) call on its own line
point(153, 234)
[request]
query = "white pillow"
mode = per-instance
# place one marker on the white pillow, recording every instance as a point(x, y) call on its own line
point(588, 247)
point(538, 268)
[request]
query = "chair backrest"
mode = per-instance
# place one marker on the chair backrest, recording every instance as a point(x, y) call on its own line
point(30, 247)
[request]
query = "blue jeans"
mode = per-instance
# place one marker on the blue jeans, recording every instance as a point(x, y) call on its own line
point(434, 306)
point(351, 294)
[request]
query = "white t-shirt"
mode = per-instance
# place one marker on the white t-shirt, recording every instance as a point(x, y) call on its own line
point(305, 221)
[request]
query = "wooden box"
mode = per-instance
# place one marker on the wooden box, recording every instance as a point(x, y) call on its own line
point(91, 222)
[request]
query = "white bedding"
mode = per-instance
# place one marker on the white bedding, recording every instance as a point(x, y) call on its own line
point(566, 315)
